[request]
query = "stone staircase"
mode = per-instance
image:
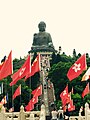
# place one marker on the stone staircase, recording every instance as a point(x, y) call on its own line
point(48, 89)
point(51, 98)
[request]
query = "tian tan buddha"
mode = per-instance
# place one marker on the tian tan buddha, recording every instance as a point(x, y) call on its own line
point(42, 41)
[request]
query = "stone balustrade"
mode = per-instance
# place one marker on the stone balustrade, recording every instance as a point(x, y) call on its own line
point(38, 115)
point(22, 115)
point(77, 118)
point(80, 117)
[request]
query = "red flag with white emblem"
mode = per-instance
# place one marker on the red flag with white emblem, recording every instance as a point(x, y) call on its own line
point(37, 91)
point(35, 67)
point(64, 93)
point(86, 90)
point(34, 99)
point(66, 100)
point(71, 107)
point(77, 68)
point(65, 96)
point(22, 72)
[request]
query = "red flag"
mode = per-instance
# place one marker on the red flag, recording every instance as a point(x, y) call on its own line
point(2, 62)
point(37, 91)
point(77, 68)
point(31, 103)
point(34, 99)
point(6, 69)
point(71, 107)
point(66, 100)
point(86, 90)
point(22, 72)
point(17, 92)
point(65, 96)
point(35, 67)
point(1, 65)
point(64, 93)
point(30, 106)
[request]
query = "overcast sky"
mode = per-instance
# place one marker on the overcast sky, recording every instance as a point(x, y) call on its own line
point(68, 22)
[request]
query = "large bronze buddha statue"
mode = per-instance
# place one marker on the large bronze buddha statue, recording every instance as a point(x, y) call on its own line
point(42, 41)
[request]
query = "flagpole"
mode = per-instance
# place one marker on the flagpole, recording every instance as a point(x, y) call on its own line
point(12, 102)
point(30, 77)
point(12, 92)
point(30, 87)
point(2, 88)
point(6, 93)
point(20, 95)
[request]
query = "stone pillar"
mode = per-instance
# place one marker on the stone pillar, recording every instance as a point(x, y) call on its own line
point(32, 116)
point(42, 113)
point(80, 116)
point(2, 113)
point(86, 111)
point(21, 113)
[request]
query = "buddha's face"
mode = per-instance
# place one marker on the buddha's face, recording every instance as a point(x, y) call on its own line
point(42, 26)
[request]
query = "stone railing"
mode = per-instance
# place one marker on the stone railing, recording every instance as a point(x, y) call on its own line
point(38, 115)
point(80, 117)
point(22, 115)
point(87, 112)
point(77, 118)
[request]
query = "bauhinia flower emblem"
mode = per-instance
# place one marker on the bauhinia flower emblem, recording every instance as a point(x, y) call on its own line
point(77, 67)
